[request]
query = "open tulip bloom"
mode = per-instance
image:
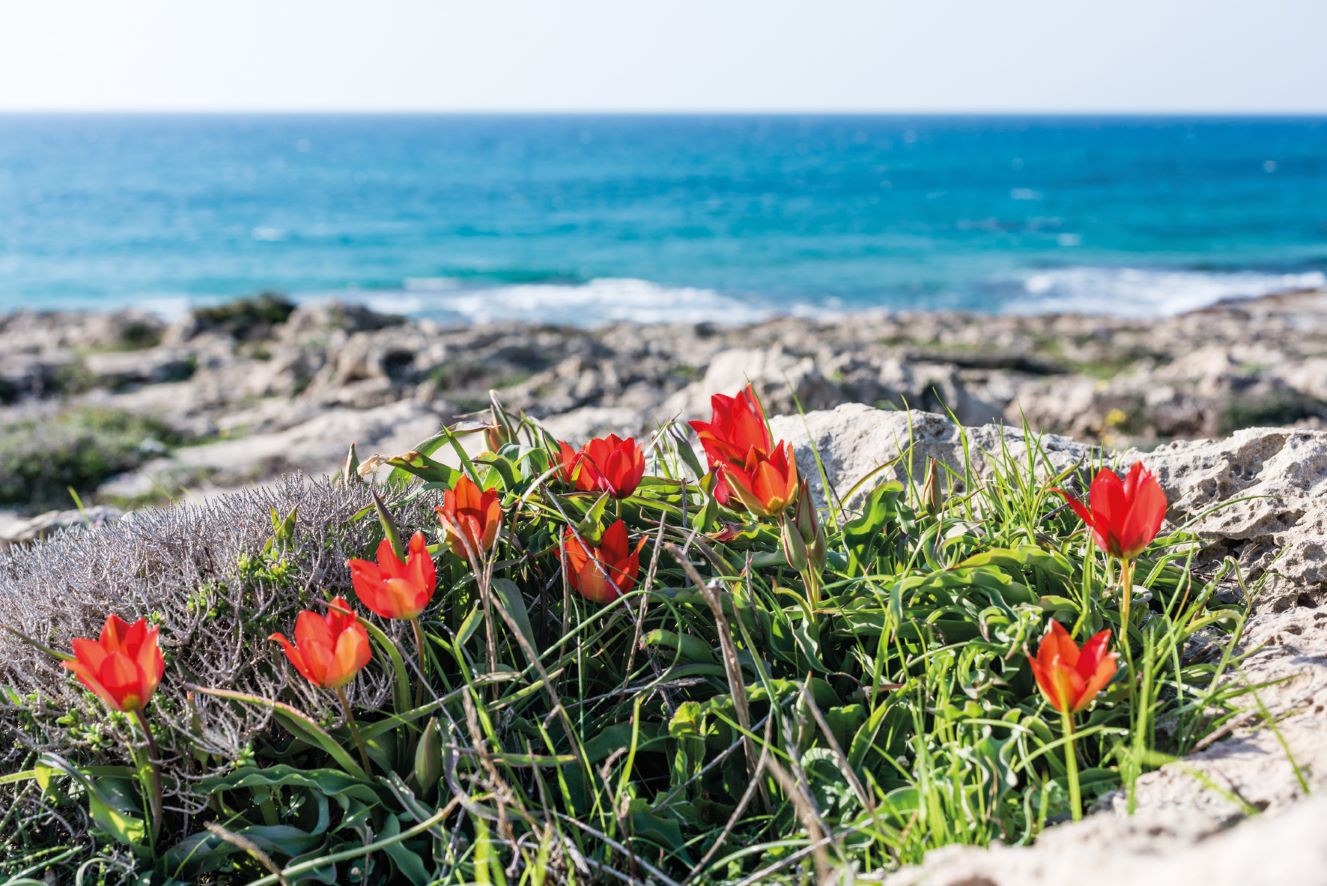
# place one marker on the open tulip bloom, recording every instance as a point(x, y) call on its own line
point(471, 516)
point(736, 426)
point(123, 666)
point(1070, 678)
point(329, 650)
point(392, 588)
point(1124, 517)
point(605, 464)
point(765, 483)
point(605, 572)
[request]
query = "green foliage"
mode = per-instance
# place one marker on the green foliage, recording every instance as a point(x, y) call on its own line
point(78, 448)
point(1276, 408)
point(245, 319)
point(710, 722)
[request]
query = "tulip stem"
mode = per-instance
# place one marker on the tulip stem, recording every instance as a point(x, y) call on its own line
point(154, 768)
point(1126, 594)
point(423, 661)
point(812, 582)
point(1071, 764)
point(354, 730)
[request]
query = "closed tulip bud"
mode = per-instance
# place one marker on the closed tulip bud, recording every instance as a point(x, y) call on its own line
point(350, 467)
point(807, 521)
point(794, 547)
point(496, 436)
point(932, 497)
point(428, 757)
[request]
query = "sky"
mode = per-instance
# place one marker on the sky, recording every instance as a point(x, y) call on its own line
point(664, 55)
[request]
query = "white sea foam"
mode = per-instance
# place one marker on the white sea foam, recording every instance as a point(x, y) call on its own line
point(593, 303)
point(1139, 291)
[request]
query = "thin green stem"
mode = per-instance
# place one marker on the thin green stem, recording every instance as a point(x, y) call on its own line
point(423, 661)
point(812, 581)
point(354, 729)
point(1126, 594)
point(1071, 763)
point(154, 770)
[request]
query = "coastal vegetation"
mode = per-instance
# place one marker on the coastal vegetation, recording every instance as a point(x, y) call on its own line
point(677, 658)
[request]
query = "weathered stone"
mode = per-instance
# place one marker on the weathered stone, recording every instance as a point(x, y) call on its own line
point(15, 530)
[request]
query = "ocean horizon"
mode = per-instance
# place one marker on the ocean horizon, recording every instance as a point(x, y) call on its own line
point(585, 219)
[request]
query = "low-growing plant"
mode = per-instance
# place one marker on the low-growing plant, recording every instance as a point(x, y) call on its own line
point(77, 448)
point(639, 662)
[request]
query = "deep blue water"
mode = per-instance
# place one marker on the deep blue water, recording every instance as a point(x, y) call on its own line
point(587, 218)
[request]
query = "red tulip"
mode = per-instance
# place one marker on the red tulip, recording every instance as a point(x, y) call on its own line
point(602, 573)
point(1070, 678)
point(471, 517)
point(328, 649)
point(123, 666)
point(736, 426)
point(606, 464)
point(764, 484)
point(394, 589)
point(1125, 515)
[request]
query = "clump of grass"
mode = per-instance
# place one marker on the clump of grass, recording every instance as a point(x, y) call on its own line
point(41, 459)
point(246, 319)
point(730, 719)
point(1284, 406)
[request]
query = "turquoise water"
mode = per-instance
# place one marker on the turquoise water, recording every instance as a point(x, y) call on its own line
point(585, 219)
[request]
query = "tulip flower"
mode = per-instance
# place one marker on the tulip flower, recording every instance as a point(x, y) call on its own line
point(394, 589)
point(1070, 678)
point(398, 590)
point(329, 650)
point(471, 517)
point(1124, 516)
point(736, 426)
point(764, 483)
point(605, 464)
point(605, 572)
point(123, 666)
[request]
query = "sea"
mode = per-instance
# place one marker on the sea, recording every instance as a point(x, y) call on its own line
point(587, 219)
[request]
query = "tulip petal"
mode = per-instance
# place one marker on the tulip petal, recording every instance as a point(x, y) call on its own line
point(1076, 506)
point(121, 682)
point(352, 653)
point(1093, 684)
point(1146, 513)
point(314, 639)
point(295, 656)
point(1066, 686)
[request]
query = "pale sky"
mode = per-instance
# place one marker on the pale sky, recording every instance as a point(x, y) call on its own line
point(652, 55)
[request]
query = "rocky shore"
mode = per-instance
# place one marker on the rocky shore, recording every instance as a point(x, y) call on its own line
point(127, 409)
